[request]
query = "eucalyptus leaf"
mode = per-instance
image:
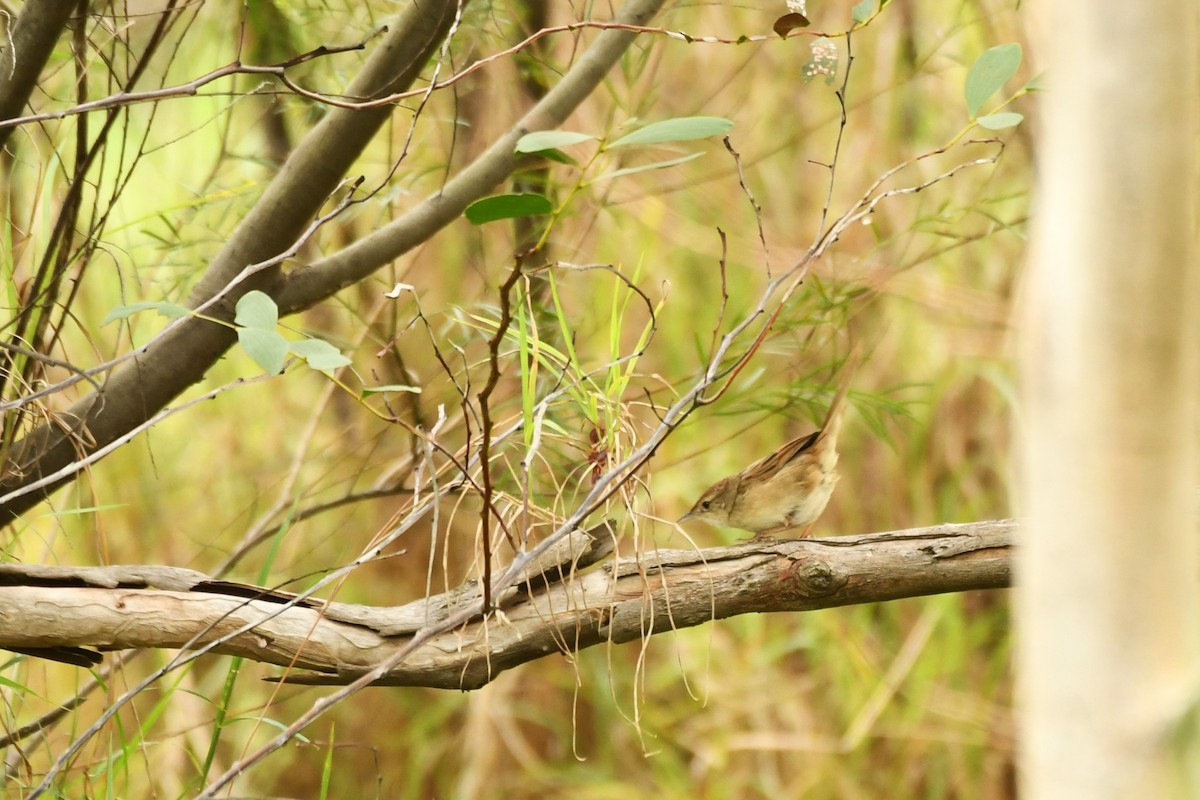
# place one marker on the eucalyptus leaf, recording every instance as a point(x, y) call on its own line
point(646, 167)
point(788, 23)
point(256, 310)
point(1000, 121)
point(508, 206)
point(862, 11)
point(550, 140)
point(989, 73)
point(391, 387)
point(266, 347)
point(168, 310)
point(555, 155)
point(320, 355)
point(681, 129)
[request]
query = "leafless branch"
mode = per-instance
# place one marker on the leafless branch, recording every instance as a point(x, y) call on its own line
point(193, 87)
point(548, 611)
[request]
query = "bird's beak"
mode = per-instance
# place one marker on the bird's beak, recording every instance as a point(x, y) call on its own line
point(686, 517)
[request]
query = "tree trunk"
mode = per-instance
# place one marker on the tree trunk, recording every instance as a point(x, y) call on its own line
point(1109, 601)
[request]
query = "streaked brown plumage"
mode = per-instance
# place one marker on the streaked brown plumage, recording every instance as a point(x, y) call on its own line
point(786, 490)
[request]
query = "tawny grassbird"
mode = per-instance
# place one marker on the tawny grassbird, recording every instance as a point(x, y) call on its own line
point(786, 490)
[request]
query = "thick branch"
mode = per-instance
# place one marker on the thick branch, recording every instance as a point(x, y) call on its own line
point(33, 36)
point(617, 602)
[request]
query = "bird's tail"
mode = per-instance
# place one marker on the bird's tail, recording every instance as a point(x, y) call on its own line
point(832, 425)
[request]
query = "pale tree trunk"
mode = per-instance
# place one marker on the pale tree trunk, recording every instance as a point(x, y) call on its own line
point(1109, 576)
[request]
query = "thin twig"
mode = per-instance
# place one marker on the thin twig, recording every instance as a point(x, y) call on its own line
point(191, 88)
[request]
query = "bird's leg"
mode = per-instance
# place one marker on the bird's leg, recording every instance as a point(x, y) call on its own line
point(768, 534)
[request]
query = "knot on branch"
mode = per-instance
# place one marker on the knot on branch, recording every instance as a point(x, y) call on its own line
point(806, 579)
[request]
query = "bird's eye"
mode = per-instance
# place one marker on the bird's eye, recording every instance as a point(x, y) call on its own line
point(706, 505)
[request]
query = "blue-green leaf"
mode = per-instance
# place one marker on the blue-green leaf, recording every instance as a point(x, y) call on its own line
point(168, 310)
point(549, 140)
point(681, 129)
point(391, 387)
point(256, 310)
point(320, 355)
point(822, 62)
point(862, 11)
point(507, 206)
point(646, 167)
point(989, 73)
point(556, 155)
point(999, 121)
point(266, 347)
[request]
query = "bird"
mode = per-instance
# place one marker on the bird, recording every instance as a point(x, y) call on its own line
point(787, 489)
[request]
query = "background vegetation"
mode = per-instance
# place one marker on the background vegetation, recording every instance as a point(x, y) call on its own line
point(911, 698)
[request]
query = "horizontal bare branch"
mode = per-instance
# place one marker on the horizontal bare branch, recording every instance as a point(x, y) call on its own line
point(620, 601)
point(193, 87)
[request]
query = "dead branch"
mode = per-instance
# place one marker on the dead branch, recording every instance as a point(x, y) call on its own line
point(553, 611)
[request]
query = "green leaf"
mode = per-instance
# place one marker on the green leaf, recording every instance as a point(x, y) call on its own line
point(320, 355)
point(266, 347)
point(681, 129)
point(391, 387)
point(256, 310)
point(862, 11)
point(1000, 121)
point(646, 167)
point(168, 310)
point(554, 427)
point(507, 206)
point(549, 140)
point(10, 684)
point(822, 62)
point(1037, 83)
point(556, 155)
point(989, 73)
